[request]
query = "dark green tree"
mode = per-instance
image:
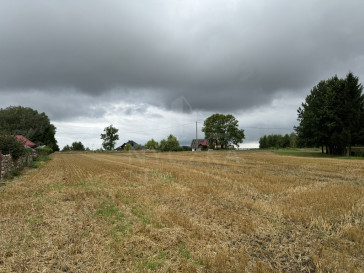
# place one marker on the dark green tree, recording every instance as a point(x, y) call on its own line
point(349, 102)
point(277, 141)
point(18, 120)
point(9, 144)
point(66, 148)
point(110, 137)
point(152, 145)
point(77, 146)
point(171, 144)
point(224, 129)
point(263, 143)
point(332, 115)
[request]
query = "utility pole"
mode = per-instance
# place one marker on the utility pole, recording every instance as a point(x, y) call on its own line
point(196, 137)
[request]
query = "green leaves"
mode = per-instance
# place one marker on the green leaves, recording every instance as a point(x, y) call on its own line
point(171, 144)
point(9, 144)
point(332, 115)
point(224, 129)
point(18, 120)
point(110, 137)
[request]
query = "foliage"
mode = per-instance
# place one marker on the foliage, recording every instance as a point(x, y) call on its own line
point(152, 145)
point(137, 147)
point(128, 147)
point(224, 129)
point(77, 146)
point(44, 150)
point(333, 115)
point(110, 137)
point(18, 120)
point(186, 148)
point(9, 144)
point(278, 141)
point(171, 144)
point(66, 148)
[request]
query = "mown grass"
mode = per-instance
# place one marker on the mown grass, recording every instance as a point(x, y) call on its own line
point(184, 212)
point(315, 154)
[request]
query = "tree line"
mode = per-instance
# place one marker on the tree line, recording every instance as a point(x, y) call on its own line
point(219, 128)
point(278, 141)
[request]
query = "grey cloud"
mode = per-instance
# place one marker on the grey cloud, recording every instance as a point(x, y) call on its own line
point(219, 55)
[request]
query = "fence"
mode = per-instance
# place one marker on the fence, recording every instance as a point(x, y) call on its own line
point(8, 164)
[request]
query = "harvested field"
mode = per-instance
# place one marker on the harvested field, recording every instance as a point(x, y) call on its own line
point(184, 212)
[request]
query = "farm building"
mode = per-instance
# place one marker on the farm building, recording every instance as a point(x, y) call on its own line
point(199, 144)
point(26, 141)
point(130, 142)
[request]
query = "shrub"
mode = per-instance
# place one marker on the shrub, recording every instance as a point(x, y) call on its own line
point(44, 150)
point(9, 144)
point(171, 144)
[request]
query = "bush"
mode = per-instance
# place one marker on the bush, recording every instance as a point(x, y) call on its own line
point(9, 144)
point(44, 150)
point(171, 144)
point(186, 148)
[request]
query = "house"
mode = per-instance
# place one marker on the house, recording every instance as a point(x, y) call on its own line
point(130, 142)
point(199, 144)
point(25, 141)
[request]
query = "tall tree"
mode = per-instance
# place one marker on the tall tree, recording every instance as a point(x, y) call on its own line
point(350, 101)
point(110, 137)
point(332, 115)
point(19, 120)
point(224, 129)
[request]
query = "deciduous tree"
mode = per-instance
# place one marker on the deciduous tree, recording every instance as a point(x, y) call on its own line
point(152, 145)
point(19, 120)
point(110, 137)
point(171, 144)
point(224, 129)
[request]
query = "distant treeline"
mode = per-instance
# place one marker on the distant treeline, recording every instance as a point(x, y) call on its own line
point(278, 141)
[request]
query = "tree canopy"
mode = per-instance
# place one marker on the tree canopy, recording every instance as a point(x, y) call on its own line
point(77, 146)
point(171, 144)
point(110, 137)
point(152, 145)
point(9, 144)
point(19, 120)
point(224, 129)
point(333, 115)
point(277, 141)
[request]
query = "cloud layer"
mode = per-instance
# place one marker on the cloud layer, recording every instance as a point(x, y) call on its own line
point(219, 55)
point(142, 64)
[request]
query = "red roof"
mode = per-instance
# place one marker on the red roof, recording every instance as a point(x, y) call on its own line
point(24, 140)
point(201, 141)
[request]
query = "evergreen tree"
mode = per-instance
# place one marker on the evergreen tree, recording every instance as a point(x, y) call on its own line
point(332, 115)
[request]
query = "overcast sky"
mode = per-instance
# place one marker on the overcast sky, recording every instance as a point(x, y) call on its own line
point(154, 67)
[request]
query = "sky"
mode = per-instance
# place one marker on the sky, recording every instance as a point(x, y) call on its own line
point(152, 68)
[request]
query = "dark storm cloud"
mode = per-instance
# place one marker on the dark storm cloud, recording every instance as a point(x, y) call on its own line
point(219, 55)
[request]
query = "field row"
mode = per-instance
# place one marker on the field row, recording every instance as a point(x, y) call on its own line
point(185, 212)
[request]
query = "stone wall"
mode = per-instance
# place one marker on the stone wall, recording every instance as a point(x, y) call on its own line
point(7, 164)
